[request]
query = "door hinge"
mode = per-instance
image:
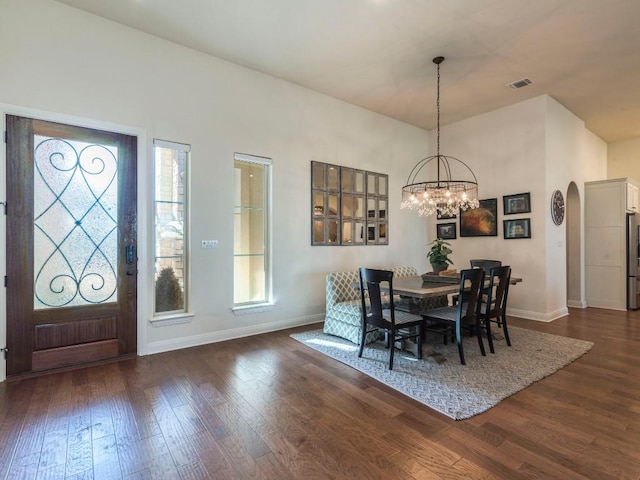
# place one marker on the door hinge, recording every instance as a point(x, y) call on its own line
point(6, 137)
point(4, 204)
point(4, 352)
point(5, 281)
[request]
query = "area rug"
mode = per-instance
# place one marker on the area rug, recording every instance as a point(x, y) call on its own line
point(442, 383)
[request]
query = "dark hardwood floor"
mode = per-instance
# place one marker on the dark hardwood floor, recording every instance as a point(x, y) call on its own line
point(267, 407)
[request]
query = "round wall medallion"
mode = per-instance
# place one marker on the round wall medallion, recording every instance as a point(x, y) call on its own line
point(557, 207)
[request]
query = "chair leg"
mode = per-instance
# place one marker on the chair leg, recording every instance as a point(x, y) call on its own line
point(364, 335)
point(505, 329)
point(459, 341)
point(487, 324)
point(479, 335)
point(392, 347)
point(450, 332)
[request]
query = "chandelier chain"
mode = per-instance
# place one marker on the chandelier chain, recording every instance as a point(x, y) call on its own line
point(438, 112)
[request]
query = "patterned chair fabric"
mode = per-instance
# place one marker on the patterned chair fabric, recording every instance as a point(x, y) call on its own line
point(343, 318)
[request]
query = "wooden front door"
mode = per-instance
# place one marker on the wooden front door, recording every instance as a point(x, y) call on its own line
point(71, 245)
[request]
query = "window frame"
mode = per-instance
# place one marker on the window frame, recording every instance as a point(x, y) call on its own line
point(186, 281)
point(267, 301)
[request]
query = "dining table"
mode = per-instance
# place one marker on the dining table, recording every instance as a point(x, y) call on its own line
point(417, 295)
point(434, 286)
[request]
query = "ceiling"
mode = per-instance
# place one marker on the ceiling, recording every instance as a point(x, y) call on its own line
point(378, 53)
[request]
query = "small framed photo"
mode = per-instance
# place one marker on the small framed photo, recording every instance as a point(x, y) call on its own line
point(446, 231)
point(444, 216)
point(519, 203)
point(520, 228)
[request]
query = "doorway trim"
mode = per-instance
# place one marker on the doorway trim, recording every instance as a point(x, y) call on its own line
point(144, 185)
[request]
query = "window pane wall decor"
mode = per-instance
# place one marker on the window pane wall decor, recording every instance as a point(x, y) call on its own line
point(348, 206)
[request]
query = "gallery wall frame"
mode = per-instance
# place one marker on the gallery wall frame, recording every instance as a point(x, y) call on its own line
point(481, 221)
point(517, 228)
point(517, 203)
point(446, 231)
point(444, 216)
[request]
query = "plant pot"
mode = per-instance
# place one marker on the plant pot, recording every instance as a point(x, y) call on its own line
point(438, 267)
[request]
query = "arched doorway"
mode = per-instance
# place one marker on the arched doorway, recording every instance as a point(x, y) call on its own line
point(575, 285)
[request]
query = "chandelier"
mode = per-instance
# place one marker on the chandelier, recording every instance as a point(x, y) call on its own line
point(447, 194)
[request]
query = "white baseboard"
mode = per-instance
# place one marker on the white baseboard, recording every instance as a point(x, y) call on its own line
point(213, 337)
point(541, 317)
point(610, 305)
point(576, 304)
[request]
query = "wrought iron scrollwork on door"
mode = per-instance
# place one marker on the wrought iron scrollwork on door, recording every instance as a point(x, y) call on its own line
point(75, 222)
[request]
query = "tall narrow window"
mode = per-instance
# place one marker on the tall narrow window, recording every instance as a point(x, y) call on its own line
point(171, 275)
point(251, 239)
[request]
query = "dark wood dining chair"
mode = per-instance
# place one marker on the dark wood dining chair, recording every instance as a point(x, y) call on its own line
point(483, 263)
point(398, 325)
point(486, 265)
point(494, 304)
point(464, 314)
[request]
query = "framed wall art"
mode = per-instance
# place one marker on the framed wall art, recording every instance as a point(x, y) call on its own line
point(446, 231)
point(481, 221)
point(519, 228)
point(519, 203)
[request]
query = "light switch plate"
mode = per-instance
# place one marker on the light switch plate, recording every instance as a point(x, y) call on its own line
point(209, 244)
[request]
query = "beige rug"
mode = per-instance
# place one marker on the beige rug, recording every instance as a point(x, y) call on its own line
point(458, 391)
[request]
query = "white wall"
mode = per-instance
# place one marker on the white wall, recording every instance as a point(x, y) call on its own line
point(624, 159)
point(534, 146)
point(59, 63)
point(573, 154)
point(505, 149)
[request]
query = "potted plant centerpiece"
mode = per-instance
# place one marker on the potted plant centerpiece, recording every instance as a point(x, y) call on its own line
point(439, 255)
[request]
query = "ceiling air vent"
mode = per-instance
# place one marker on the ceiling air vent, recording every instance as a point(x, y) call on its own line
point(520, 83)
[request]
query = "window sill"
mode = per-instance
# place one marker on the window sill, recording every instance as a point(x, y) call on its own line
point(250, 309)
point(176, 319)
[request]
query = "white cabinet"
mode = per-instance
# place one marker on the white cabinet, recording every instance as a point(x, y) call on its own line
point(606, 205)
point(632, 197)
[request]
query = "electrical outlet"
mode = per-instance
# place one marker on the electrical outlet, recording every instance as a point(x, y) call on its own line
point(209, 244)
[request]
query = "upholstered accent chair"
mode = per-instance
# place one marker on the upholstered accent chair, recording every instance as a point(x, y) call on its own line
point(343, 316)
